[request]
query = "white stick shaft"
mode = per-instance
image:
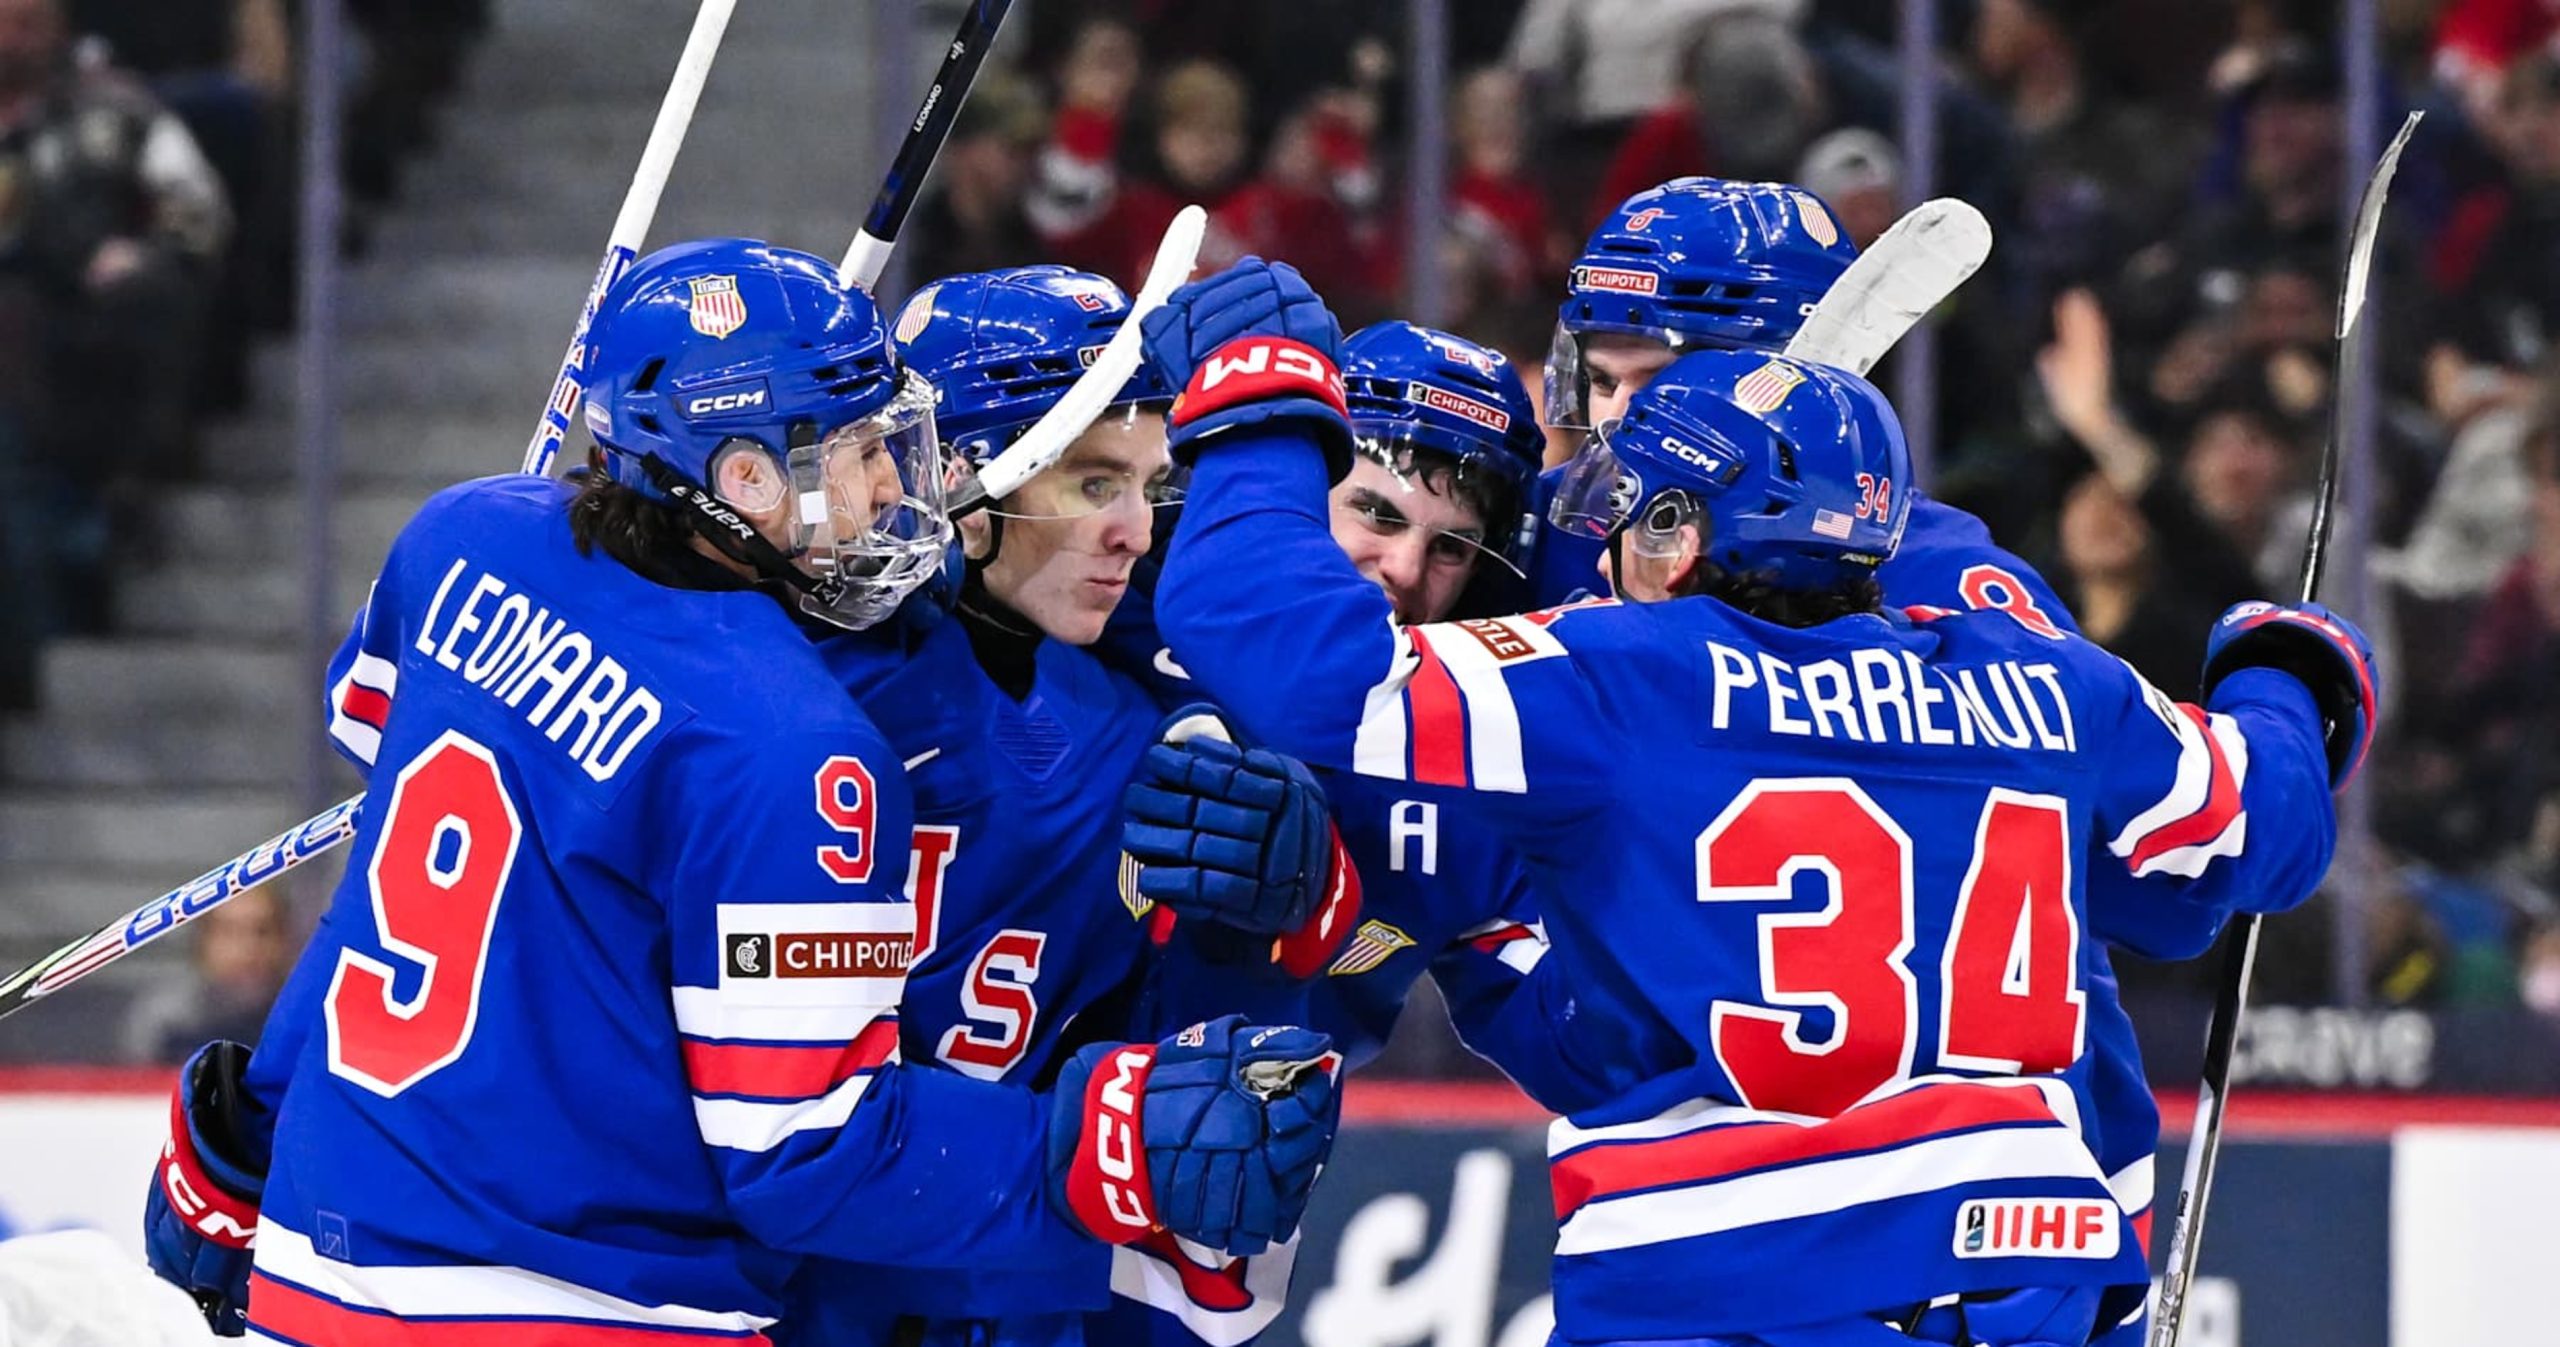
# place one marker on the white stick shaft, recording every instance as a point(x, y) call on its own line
point(631, 225)
point(1092, 392)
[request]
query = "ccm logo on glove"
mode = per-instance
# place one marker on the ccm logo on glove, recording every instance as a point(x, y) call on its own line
point(1249, 369)
point(199, 1201)
point(1111, 1167)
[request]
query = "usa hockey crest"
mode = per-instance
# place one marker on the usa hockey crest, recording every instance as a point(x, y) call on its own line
point(1373, 944)
point(1818, 224)
point(718, 308)
point(1765, 389)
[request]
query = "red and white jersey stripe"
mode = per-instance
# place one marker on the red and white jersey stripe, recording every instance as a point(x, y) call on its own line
point(2202, 817)
point(1221, 1300)
point(1444, 714)
point(803, 1018)
point(1706, 1167)
point(360, 705)
point(298, 1296)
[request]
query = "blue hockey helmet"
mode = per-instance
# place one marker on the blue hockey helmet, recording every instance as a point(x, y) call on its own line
point(1696, 262)
point(722, 347)
point(1001, 347)
point(1791, 471)
point(1415, 389)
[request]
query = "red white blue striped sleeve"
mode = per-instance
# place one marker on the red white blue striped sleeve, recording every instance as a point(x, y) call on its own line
point(363, 675)
point(2230, 802)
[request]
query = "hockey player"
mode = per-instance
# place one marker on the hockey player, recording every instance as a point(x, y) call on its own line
point(627, 830)
point(1017, 742)
point(1739, 476)
point(1705, 263)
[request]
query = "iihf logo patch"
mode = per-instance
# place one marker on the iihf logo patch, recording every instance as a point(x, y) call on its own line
point(750, 956)
point(718, 308)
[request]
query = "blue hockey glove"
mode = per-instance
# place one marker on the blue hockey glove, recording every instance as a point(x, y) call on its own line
point(2324, 652)
point(202, 1211)
point(1241, 838)
point(1215, 1134)
point(1252, 345)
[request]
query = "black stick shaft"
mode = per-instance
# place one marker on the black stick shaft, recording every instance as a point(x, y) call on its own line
point(923, 143)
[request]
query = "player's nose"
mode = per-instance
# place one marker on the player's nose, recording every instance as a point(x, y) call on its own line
point(1128, 525)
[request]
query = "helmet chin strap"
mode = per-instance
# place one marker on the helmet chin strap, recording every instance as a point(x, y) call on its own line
point(733, 535)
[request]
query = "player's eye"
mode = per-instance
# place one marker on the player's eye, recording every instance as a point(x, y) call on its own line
point(1603, 383)
point(1454, 548)
point(1382, 518)
point(1100, 492)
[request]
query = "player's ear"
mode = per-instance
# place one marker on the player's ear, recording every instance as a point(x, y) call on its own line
point(1682, 564)
point(976, 537)
point(749, 480)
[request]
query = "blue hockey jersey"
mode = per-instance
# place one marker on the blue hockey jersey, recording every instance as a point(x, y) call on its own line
point(599, 1035)
point(1027, 948)
point(1833, 871)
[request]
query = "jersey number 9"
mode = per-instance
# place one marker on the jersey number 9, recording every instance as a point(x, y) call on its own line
point(440, 864)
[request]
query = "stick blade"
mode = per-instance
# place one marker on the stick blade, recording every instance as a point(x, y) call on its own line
point(1908, 271)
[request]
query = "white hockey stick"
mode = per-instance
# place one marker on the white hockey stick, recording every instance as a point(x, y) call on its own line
point(1092, 392)
point(631, 226)
point(1911, 269)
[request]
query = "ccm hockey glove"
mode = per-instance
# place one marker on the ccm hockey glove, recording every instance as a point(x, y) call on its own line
point(202, 1212)
point(1241, 838)
point(1251, 346)
point(1215, 1134)
point(2324, 652)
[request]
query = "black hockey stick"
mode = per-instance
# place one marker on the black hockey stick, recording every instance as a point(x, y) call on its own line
point(2204, 1144)
point(869, 255)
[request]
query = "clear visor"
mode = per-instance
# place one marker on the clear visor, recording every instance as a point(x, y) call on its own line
point(1118, 464)
point(1600, 495)
point(870, 515)
point(1414, 491)
point(1568, 402)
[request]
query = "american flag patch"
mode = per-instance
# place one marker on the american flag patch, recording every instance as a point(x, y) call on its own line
point(1368, 947)
point(917, 316)
point(1832, 524)
point(1765, 389)
point(718, 308)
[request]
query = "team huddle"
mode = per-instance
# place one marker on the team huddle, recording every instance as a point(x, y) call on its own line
point(794, 907)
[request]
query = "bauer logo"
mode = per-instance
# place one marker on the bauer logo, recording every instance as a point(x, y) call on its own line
point(1616, 280)
point(718, 309)
point(751, 956)
point(1466, 408)
point(2037, 1227)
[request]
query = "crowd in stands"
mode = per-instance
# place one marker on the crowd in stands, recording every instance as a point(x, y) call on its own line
point(147, 180)
point(2135, 391)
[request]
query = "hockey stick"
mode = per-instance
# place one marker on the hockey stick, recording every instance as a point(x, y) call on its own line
point(1102, 381)
point(631, 226)
point(869, 255)
point(2204, 1144)
point(179, 906)
point(1911, 269)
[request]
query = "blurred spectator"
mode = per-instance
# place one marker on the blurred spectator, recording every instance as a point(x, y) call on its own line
point(1313, 204)
point(972, 218)
point(2216, 509)
point(2477, 40)
point(240, 955)
point(2499, 276)
point(2097, 178)
point(226, 70)
point(2112, 579)
point(1858, 174)
point(1750, 99)
point(2283, 204)
point(111, 226)
point(1499, 210)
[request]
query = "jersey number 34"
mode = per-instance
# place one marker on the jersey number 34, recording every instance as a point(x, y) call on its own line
point(2009, 999)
